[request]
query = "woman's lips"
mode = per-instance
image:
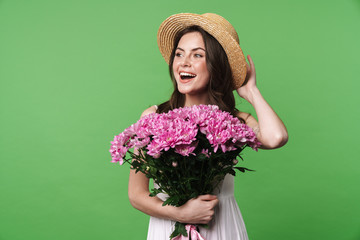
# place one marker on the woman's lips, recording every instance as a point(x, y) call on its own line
point(185, 77)
point(186, 80)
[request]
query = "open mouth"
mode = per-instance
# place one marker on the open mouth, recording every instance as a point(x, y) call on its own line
point(187, 76)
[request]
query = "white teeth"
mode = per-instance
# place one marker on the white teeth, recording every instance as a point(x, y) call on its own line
point(187, 74)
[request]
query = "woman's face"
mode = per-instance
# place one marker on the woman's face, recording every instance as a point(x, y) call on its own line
point(189, 65)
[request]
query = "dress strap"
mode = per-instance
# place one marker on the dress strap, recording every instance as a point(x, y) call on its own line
point(156, 107)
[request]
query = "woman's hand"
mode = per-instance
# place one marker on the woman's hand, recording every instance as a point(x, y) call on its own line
point(250, 81)
point(198, 210)
point(271, 131)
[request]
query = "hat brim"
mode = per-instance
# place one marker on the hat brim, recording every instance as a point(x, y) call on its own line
point(178, 22)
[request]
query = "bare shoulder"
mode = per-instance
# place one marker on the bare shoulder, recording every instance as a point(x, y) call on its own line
point(150, 110)
point(249, 120)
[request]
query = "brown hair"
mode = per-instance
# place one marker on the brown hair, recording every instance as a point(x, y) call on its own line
point(220, 87)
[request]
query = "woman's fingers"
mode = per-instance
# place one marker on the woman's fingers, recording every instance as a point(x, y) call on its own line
point(247, 67)
point(250, 60)
point(211, 199)
point(199, 210)
point(207, 197)
point(252, 66)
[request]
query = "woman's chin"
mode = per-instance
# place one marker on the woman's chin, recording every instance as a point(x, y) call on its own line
point(192, 91)
point(187, 90)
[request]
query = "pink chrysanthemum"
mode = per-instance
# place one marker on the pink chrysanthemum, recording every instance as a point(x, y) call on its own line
point(178, 129)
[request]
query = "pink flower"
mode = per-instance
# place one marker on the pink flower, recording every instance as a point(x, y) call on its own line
point(177, 129)
point(118, 153)
point(186, 149)
point(206, 152)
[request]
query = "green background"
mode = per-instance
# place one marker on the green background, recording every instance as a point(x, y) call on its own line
point(75, 73)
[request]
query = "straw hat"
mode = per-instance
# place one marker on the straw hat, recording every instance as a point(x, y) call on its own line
point(216, 26)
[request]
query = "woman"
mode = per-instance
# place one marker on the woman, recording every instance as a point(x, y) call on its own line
point(206, 64)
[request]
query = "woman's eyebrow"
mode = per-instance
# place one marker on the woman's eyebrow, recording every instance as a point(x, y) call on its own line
point(194, 49)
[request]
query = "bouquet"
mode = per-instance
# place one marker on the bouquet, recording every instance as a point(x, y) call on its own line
point(186, 151)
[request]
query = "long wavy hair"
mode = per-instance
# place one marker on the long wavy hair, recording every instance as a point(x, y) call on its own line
point(220, 87)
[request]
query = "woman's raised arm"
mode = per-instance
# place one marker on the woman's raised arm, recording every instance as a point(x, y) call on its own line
point(269, 128)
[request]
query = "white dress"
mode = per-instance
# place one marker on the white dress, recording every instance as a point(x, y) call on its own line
point(227, 223)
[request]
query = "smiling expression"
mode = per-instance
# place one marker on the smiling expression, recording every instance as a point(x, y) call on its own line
point(189, 66)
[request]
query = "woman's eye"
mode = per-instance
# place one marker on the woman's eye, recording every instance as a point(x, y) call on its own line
point(198, 55)
point(178, 54)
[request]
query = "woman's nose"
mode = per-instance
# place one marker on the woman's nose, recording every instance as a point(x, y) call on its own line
point(186, 61)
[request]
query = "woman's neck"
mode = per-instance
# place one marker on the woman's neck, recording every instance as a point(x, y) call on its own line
point(196, 99)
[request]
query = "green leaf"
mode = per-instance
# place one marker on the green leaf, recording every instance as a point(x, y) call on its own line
point(193, 195)
point(243, 169)
point(168, 201)
point(232, 172)
point(179, 229)
point(174, 233)
point(154, 192)
point(204, 226)
point(182, 229)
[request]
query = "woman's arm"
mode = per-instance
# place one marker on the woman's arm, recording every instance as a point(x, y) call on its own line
point(270, 130)
point(197, 211)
